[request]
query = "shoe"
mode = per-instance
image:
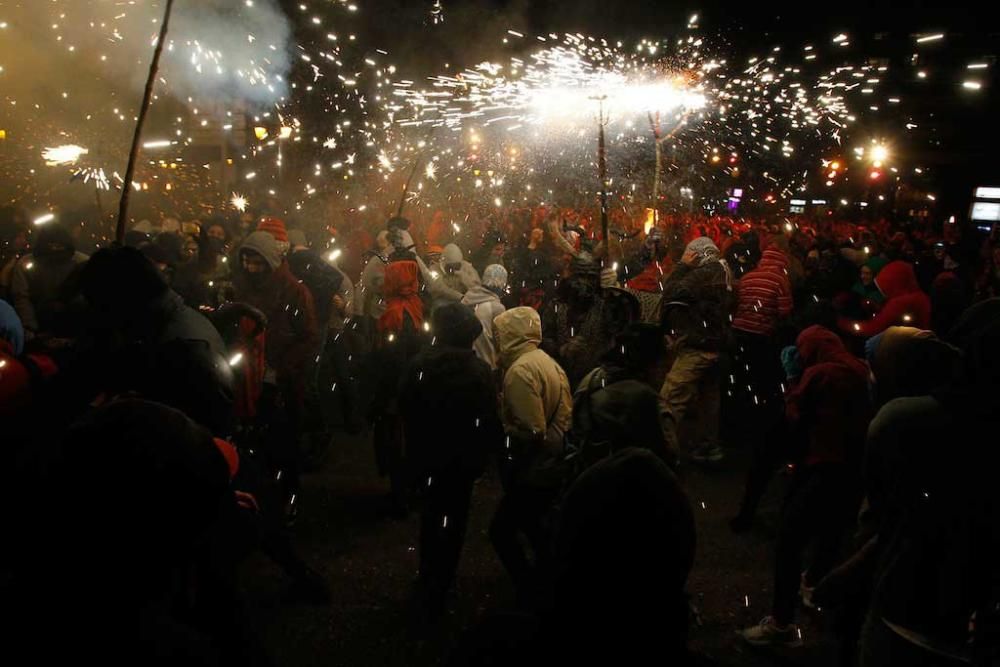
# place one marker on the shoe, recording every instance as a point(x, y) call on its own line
point(708, 454)
point(769, 633)
point(806, 593)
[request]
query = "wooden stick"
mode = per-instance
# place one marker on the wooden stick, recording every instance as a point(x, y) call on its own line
point(143, 111)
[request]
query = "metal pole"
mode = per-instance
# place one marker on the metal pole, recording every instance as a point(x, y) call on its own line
point(602, 166)
point(143, 111)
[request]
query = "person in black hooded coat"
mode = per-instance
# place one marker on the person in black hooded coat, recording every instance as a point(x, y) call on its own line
point(450, 420)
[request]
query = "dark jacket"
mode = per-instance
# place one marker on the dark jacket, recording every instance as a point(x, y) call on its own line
point(450, 411)
point(697, 304)
point(322, 280)
point(904, 305)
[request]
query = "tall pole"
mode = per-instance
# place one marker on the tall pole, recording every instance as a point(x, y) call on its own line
point(602, 167)
point(143, 111)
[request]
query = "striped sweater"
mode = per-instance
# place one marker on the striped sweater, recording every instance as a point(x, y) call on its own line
point(764, 295)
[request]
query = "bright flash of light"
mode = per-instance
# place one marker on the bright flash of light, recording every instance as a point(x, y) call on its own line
point(334, 255)
point(430, 171)
point(63, 155)
point(880, 154)
point(239, 202)
point(48, 217)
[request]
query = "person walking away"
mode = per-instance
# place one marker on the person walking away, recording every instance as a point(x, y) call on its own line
point(536, 413)
point(448, 405)
point(485, 300)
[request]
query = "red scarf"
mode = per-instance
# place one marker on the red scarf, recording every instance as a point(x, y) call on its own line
point(400, 293)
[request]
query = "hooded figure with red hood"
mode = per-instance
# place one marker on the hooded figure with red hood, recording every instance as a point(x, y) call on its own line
point(905, 303)
point(828, 411)
point(399, 339)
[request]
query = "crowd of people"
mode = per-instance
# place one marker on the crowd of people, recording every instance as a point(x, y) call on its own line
point(163, 397)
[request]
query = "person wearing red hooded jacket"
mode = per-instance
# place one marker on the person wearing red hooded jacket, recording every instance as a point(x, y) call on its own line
point(400, 337)
point(905, 303)
point(828, 410)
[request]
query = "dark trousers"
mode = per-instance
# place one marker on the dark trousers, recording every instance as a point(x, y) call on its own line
point(523, 511)
point(390, 451)
point(821, 507)
point(443, 521)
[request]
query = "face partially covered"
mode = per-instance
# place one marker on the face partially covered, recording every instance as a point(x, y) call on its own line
point(253, 263)
point(867, 277)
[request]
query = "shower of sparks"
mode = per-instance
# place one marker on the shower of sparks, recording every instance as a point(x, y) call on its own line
point(63, 155)
point(430, 171)
point(239, 202)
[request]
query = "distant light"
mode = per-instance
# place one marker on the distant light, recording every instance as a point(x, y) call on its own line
point(157, 144)
point(260, 133)
point(977, 66)
point(285, 132)
point(922, 74)
point(48, 217)
point(334, 254)
point(236, 358)
point(987, 193)
point(880, 154)
point(840, 38)
point(930, 38)
point(972, 85)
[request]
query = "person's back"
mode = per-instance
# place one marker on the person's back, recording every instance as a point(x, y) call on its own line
point(537, 407)
point(485, 300)
point(38, 279)
point(764, 295)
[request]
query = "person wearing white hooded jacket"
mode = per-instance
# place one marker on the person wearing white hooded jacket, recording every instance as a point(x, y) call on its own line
point(484, 299)
point(451, 278)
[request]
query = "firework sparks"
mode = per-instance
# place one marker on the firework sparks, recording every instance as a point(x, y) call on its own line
point(63, 155)
point(239, 202)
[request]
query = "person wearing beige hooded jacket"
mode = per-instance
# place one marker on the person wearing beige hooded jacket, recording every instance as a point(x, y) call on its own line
point(536, 410)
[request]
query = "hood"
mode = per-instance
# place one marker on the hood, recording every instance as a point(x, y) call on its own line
point(11, 329)
point(911, 362)
point(896, 279)
point(706, 249)
point(264, 245)
point(519, 331)
point(456, 325)
point(819, 345)
point(773, 259)
point(495, 276)
point(401, 279)
point(479, 294)
point(452, 254)
point(297, 238)
point(51, 235)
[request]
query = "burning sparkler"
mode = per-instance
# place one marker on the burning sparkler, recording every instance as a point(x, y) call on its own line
point(63, 155)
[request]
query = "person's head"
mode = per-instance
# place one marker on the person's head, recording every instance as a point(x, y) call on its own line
point(939, 251)
point(456, 325)
point(121, 282)
point(451, 258)
point(276, 228)
point(495, 278)
point(705, 250)
point(382, 244)
point(259, 255)
point(190, 248)
point(867, 276)
point(217, 231)
point(297, 240)
point(519, 330)
point(54, 243)
point(537, 237)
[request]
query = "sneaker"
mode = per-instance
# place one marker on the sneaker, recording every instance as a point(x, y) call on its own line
point(806, 593)
point(707, 454)
point(769, 633)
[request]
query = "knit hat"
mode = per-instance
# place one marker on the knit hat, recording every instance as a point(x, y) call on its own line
point(495, 276)
point(275, 228)
point(456, 324)
point(297, 238)
point(706, 249)
point(264, 245)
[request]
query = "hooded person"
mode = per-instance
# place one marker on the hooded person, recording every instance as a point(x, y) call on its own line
point(695, 312)
point(264, 281)
point(574, 330)
point(451, 278)
point(485, 301)
point(905, 304)
point(828, 410)
point(447, 384)
point(39, 280)
point(936, 515)
point(536, 413)
point(615, 406)
point(276, 228)
point(400, 338)
point(865, 288)
point(906, 361)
